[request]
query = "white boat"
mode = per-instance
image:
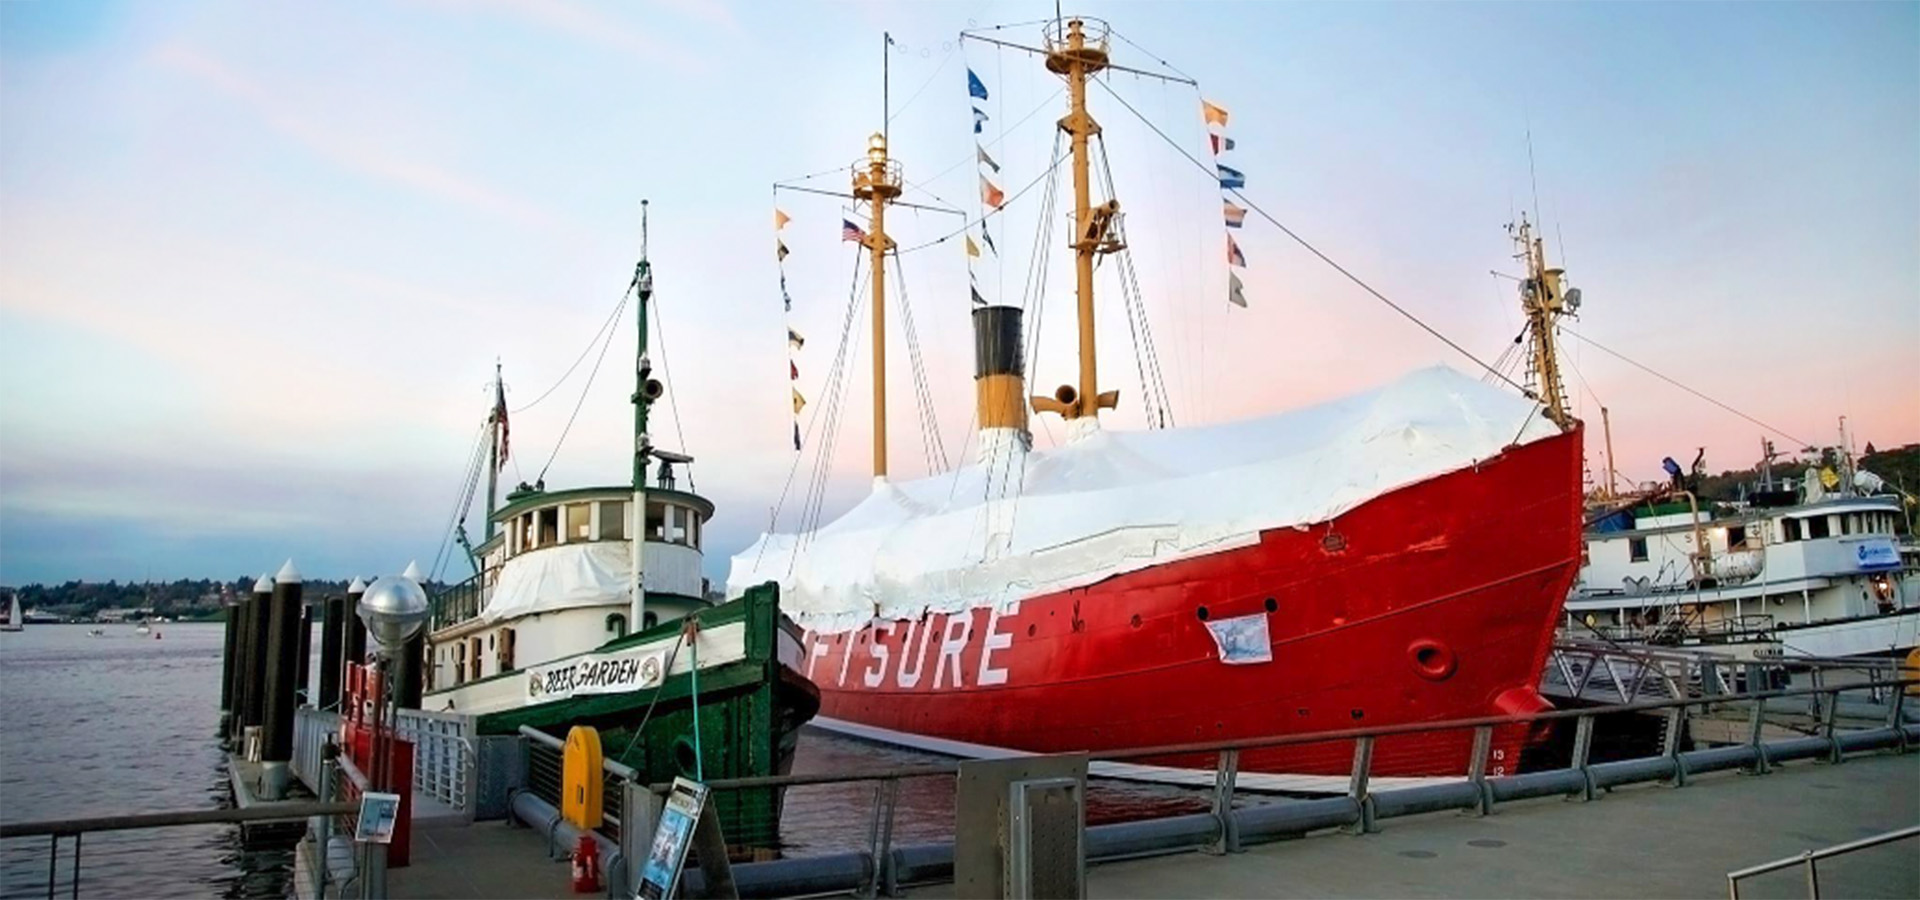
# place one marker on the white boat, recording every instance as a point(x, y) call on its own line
point(15, 620)
point(1817, 566)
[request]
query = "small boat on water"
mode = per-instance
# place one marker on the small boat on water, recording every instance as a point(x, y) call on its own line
point(587, 607)
point(15, 621)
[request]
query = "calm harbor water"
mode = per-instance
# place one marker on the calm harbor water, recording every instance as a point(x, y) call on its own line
point(125, 723)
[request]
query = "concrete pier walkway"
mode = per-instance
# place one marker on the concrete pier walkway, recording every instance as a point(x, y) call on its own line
point(1639, 841)
point(1644, 841)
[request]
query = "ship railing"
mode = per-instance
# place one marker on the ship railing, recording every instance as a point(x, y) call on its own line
point(111, 855)
point(874, 830)
point(460, 602)
point(446, 754)
point(1810, 859)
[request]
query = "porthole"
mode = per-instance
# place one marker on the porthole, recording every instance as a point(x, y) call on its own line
point(1432, 659)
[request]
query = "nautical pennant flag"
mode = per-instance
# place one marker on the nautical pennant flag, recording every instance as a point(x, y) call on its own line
point(1235, 291)
point(983, 157)
point(975, 87)
point(796, 370)
point(794, 338)
point(1236, 217)
point(1231, 178)
point(990, 195)
point(1214, 113)
point(977, 299)
point(799, 402)
point(979, 119)
point(1220, 143)
point(784, 296)
point(780, 251)
point(850, 231)
point(988, 238)
point(796, 437)
point(973, 249)
point(1234, 256)
point(780, 219)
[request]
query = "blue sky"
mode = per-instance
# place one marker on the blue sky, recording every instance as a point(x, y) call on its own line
point(257, 260)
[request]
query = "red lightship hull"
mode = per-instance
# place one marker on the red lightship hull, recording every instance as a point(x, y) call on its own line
point(1434, 601)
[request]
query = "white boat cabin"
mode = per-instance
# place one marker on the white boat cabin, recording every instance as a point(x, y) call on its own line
point(553, 580)
point(1825, 578)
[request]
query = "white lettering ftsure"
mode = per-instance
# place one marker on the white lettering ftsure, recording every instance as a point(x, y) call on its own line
point(846, 657)
point(995, 640)
point(959, 627)
point(908, 678)
point(877, 672)
point(819, 650)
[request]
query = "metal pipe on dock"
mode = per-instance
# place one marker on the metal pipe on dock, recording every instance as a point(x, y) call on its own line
point(332, 650)
point(283, 645)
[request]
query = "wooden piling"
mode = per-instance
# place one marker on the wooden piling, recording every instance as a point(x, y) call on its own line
point(354, 636)
point(231, 614)
point(332, 646)
point(282, 666)
point(253, 681)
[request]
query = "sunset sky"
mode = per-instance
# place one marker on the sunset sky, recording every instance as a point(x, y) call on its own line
point(257, 260)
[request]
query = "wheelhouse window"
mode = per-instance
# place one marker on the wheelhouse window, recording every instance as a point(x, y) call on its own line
point(1817, 528)
point(1736, 537)
point(1637, 549)
point(613, 520)
point(549, 520)
point(656, 521)
point(579, 521)
point(1789, 530)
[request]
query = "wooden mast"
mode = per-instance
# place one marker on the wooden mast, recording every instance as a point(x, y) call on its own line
point(876, 180)
point(1074, 57)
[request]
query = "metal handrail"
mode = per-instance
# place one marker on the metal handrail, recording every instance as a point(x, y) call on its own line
point(610, 766)
point(1809, 857)
point(277, 812)
point(1316, 737)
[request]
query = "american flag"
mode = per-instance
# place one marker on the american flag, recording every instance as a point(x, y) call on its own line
point(850, 231)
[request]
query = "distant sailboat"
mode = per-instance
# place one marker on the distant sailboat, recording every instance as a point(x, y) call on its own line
point(15, 621)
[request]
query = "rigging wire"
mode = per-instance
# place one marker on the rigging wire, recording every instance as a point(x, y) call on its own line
point(985, 216)
point(578, 359)
point(584, 389)
point(1153, 386)
point(830, 435)
point(1310, 248)
point(1642, 367)
point(997, 140)
point(673, 401)
point(930, 440)
point(832, 374)
point(476, 460)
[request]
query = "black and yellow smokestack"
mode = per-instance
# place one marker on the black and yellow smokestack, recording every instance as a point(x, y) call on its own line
point(999, 369)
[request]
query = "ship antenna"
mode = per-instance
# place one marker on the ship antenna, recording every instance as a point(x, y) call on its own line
point(1544, 300)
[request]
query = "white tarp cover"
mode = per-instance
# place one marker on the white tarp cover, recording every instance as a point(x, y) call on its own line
point(1116, 502)
point(561, 577)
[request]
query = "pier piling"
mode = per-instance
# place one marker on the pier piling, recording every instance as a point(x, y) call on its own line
point(332, 648)
point(253, 677)
point(230, 642)
point(354, 631)
point(282, 667)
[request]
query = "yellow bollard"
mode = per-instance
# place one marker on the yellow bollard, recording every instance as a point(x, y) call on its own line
point(1911, 669)
point(581, 778)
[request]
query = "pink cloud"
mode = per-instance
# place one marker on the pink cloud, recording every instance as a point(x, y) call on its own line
point(343, 148)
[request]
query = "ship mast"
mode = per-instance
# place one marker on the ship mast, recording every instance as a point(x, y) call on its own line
point(645, 390)
point(876, 179)
point(1543, 301)
point(493, 447)
point(1077, 55)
